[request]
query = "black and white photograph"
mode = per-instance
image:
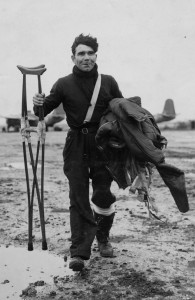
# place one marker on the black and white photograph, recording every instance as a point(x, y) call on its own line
point(97, 150)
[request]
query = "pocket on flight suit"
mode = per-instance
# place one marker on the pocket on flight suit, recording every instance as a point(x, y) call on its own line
point(67, 151)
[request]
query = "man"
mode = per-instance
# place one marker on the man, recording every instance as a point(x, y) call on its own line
point(82, 160)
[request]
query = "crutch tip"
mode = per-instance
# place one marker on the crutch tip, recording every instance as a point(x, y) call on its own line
point(44, 245)
point(30, 247)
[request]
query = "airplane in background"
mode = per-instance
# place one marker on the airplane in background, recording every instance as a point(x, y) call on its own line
point(57, 118)
point(13, 121)
point(168, 112)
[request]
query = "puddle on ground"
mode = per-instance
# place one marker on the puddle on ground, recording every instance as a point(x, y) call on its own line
point(20, 267)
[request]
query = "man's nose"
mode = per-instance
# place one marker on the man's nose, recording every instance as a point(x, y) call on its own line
point(86, 57)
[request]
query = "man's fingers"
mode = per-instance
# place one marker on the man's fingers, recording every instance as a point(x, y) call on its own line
point(38, 95)
point(42, 95)
point(38, 99)
point(37, 102)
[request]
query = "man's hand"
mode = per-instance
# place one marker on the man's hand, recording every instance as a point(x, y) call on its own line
point(38, 99)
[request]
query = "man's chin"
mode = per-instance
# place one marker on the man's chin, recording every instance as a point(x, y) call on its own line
point(86, 69)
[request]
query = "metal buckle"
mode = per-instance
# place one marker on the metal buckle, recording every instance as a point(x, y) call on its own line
point(84, 130)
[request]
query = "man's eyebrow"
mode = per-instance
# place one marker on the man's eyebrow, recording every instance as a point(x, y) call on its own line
point(83, 52)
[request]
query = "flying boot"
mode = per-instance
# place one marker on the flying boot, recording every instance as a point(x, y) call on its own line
point(104, 224)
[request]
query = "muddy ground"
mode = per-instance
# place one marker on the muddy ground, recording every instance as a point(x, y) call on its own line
point(153, 259)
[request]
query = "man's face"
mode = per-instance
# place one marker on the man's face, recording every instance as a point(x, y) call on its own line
point(84, 58)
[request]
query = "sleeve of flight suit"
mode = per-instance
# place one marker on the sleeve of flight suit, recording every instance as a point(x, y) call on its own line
point(52, 101)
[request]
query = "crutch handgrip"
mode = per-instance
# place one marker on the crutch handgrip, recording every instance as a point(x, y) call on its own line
point(31, 129)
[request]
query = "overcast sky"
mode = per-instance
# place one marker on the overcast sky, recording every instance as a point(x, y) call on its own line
point(147, 45)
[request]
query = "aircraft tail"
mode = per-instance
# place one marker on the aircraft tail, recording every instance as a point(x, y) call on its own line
point(169, 108)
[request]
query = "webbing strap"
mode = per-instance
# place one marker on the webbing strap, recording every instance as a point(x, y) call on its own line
point(93, 99)
point(150, 207)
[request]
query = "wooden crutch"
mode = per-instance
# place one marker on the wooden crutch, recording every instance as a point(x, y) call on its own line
point(25, 132)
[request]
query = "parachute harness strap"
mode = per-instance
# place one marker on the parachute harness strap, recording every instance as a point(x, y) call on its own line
point(142, 184)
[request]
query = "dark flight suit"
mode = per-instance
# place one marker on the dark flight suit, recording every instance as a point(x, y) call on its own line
point(82, 160)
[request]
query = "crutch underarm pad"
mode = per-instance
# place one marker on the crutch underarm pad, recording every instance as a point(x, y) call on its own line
point(32, 71)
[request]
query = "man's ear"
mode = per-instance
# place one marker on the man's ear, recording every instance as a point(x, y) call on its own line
point(73, 58)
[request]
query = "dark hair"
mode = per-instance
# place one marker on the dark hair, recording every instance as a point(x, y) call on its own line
point(85, 40)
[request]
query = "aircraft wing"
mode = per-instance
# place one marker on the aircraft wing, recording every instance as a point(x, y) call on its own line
point(13, 121)
point(14, 117)
point(163, 118)
point(18, 117)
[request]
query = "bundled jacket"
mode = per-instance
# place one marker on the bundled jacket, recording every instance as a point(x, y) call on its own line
point(128, 136)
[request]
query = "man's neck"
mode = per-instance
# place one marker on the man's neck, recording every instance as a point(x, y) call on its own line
point(80, 73)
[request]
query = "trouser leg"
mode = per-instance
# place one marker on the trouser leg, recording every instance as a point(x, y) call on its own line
point(101, 183)
point(103, 204)
point(83, 226)
point(82, 235)
point(104, 224)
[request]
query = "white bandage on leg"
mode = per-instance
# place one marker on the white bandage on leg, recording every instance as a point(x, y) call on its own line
point(104, 211)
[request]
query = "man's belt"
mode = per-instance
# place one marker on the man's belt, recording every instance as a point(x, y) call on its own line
point(85, 128)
